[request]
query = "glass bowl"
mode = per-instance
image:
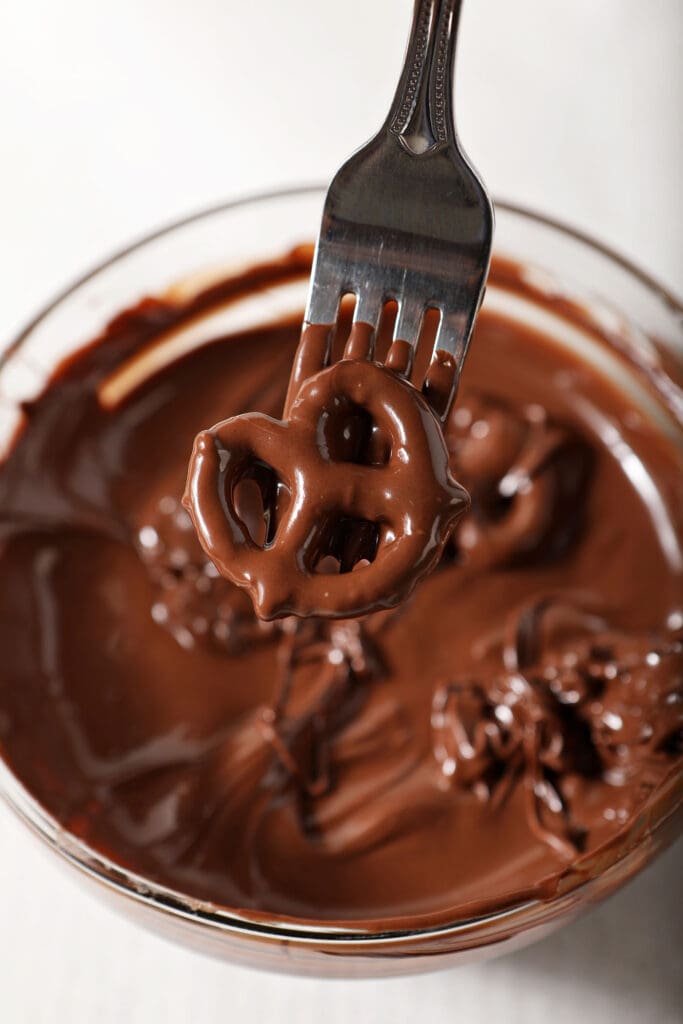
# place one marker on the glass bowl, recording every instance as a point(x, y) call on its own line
point(596, 301)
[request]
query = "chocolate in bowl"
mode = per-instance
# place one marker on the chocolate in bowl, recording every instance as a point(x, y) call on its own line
point(290, 912)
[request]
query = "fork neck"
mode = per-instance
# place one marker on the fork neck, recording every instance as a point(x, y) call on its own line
point(422, 111)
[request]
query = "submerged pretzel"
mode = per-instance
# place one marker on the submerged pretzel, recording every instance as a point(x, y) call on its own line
point(524, 474)
point(410, 498)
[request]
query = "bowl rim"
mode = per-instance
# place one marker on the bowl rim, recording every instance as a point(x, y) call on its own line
point(161, 899)
point(660, 291)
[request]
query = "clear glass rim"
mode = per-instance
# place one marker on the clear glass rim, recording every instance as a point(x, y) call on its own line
point(179, 905)
point(658, 290)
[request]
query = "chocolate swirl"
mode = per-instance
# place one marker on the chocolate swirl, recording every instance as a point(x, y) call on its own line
point(192, 601)
point(572, 698)
point(526, 477)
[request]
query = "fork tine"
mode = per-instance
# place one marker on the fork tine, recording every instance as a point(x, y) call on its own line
point(453, 335)
point(361, 341)
point(366, 316)
point(324, 299)
point(368, 308)
point(311, 356)
point(400, 358)
point(408, 320)
point(440, 383)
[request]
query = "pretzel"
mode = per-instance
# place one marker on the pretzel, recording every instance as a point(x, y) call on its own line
point(406, 499)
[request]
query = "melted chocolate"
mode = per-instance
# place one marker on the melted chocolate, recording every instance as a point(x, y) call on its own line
point(459, 753)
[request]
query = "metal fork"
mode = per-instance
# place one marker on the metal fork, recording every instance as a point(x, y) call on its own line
point(407, 218)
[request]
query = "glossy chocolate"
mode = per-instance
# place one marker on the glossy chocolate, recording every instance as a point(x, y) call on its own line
point(462, 752)
point(354, 485)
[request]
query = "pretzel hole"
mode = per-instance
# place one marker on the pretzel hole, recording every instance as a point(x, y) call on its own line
point(260, 498)
point(344, 545)
point(348, 433)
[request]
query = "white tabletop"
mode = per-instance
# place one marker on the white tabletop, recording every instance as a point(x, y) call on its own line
point(117, 117)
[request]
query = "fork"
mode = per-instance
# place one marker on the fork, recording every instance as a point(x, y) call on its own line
point(405, 219)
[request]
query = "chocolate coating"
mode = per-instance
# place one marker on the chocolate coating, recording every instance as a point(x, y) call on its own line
point(364, 468)
point(521, 710)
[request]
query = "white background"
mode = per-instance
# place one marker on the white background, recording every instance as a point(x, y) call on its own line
point(116, 117)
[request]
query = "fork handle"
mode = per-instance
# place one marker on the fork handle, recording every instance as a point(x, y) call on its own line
point(422, 112)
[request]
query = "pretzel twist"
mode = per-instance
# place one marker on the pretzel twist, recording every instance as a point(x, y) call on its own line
point(410, 498)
